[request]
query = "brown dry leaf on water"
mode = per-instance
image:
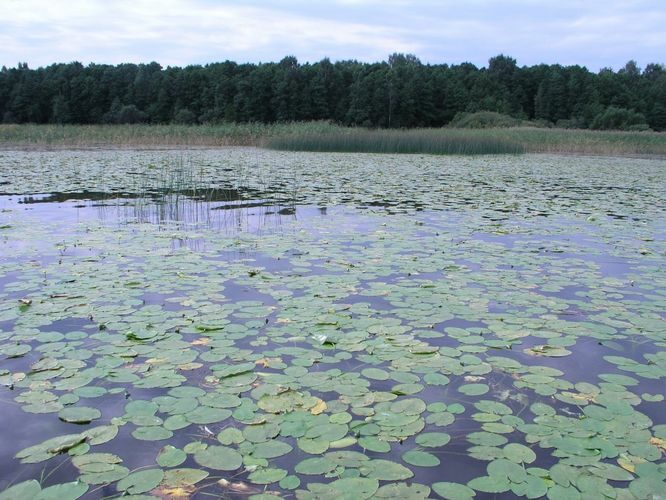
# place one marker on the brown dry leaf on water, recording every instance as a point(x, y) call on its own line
point(238, 487)
point(659, 443)
point(174, 491)
point(190, 366)
point(626, 464)
point(319, 407)
point(201, 341)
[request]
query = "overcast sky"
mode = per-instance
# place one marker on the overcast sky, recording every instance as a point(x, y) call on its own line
point(592, 33)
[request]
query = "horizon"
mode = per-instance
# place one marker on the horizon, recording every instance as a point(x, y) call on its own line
point(179, 33)
point(333, 61)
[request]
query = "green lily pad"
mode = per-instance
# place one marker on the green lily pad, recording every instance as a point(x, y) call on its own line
point(79, 414)
point(356, 487)
point(271, 449)
point(183, 477)
point(65, 491)
point(25, 489)
point(519, 453)
point(219, 458)
point(385, 470)
point(153, 433)
point(453, 491)
point(267, 476)
point(141, 481)
point(433, 439)
point(170, 456)
point(490, 484)
point(420, 458)
point(474, 389)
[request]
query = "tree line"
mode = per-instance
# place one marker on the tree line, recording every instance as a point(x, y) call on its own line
point(400, 92)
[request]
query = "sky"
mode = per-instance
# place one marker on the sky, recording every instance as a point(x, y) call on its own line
point(591, 33)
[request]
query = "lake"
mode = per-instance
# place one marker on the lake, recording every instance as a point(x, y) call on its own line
point(249, 323)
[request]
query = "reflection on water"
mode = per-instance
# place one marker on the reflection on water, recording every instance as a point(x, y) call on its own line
point(224, 210)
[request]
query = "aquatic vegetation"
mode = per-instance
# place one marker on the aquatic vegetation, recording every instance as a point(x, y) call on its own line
point(432, 141)
point(248, 322)
point(318, 136)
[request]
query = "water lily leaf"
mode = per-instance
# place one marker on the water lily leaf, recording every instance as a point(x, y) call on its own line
point(519, 453)
point(153, 433)
point(453, 491)
point(356, 487)
point(65, 491)
point(207, 415)
point(375, 374)
point(26, 489)
point(101, 434)
point(414, 491)
point(219, 458)
point(183, 477)
point(474, 389)
point(114, 473)
point(385, 470)
point(420, 458)
point(170, 456)
point(267, 476)
point(406, 389)
point(79, 414)
point(313, 446)
point(433, 439)
point(502, 467)
point(141, 481)
point(271, 449)
point(222, 371)
point(375, 444)
point(140, 407)
point(50, 448)
point(610, 471)
point(490, 484)
point(290, 483)
point(230, 435)
point(436, 379)
point(315, 466)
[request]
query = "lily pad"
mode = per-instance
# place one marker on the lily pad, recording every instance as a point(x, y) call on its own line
point(219, 458)
point(79, 414)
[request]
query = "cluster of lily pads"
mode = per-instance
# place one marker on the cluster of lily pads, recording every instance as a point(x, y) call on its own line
point(446, 327)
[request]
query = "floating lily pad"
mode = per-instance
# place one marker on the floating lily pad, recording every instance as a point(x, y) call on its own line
point(79, 414)
point(141, 481)
point(453, 491)
point(170, 456)
point(219, 458)
point(267, 476)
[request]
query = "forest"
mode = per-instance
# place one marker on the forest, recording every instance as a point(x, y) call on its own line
point(401, 92)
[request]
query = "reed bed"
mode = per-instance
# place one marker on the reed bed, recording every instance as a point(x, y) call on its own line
point(427, 141)
point(323, 136)
point(84, 136)
point(587, 142)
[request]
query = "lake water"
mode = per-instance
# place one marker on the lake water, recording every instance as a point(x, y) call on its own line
point(242, 322)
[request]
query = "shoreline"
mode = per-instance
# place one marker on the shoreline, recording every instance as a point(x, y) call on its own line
point(319, 136)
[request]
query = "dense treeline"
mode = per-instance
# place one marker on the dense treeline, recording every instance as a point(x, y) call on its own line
point(400, 92)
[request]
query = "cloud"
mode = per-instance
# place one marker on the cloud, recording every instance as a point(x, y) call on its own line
point(180, 32)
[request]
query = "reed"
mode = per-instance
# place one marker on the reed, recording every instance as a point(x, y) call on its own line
point(231, 134)
point(427, 141)
point(323, 136)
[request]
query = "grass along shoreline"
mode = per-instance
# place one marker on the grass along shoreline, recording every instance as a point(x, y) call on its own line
point(322, 136)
